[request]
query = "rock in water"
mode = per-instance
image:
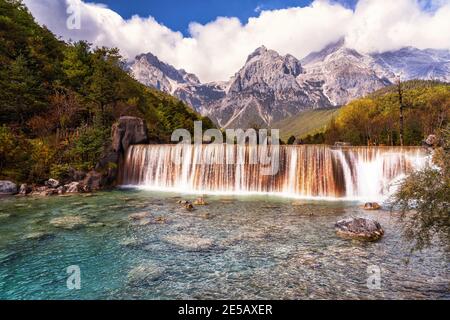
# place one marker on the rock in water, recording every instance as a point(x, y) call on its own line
point(359, 228)
point(200, 202)
point(69, 222)
point(372, 206)
point(139, 215)
point(144, 274)
point(7, 187)
point(190, 242)
point(38, 236)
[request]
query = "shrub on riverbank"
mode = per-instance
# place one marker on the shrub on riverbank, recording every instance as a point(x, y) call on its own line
point(424, 198)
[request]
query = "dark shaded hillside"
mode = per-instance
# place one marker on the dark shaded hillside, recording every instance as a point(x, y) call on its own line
point(58, 100)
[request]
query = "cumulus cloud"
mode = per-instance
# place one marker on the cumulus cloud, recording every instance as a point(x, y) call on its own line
point(214, 51)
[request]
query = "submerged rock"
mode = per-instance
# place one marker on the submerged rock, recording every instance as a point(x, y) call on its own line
point(145, 274)
point(146, 218)
point(97, 225)
point(139, 215)
point(38, 236)
point(359, 228)
point(160, 220)
point(190, 242)
point(7, 187)
point(69, 222)
point(131, 242)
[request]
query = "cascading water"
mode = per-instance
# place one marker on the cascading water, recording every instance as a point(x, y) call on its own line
point(353, 173)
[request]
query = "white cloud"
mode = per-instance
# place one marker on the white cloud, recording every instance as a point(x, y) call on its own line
point(216, 50)
point(389, 25)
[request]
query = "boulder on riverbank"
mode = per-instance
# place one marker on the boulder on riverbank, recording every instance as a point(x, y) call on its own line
point(93, 182)
point(52, 183)
point(73, 187)
point(7, 187)
point(24, 189)
point(360, 229)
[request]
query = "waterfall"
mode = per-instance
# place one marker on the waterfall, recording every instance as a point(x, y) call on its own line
point(353, 173)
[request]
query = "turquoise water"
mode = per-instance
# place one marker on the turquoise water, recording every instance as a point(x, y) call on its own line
point(234, 248)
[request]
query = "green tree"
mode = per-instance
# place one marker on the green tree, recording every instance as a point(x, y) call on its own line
point(22, 93)
point(291, 140)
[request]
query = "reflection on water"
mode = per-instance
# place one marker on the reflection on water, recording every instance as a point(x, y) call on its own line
point(236, 247)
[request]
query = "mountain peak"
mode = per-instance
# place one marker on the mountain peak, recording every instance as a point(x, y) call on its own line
point(258, 52)
point(322, 54)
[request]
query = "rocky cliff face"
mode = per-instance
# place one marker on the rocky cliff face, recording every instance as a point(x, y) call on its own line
point(346, 74)
point(265, 90)
point(152, 72)
point(271, 87)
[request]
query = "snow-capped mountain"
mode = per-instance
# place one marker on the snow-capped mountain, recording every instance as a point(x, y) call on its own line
point(412, 63)
point(152, 72)
point(346, 74)
point(271, 87)
point(265, 90)
point(149, 70)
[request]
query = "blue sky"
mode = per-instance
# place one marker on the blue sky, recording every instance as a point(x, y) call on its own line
point(214, 49)
point(177, 14)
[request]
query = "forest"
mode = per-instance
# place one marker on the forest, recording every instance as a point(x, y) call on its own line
point(375, 119)
point(59, 100)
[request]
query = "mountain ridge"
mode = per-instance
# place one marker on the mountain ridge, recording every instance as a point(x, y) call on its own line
point(271, 87)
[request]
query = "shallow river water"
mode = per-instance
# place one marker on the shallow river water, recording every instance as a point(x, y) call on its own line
point(257, 247)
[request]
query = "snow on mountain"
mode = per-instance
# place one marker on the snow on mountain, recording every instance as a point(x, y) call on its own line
point(412, 63)
point(346, 73)
point(271, 87)
point(266, 90)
